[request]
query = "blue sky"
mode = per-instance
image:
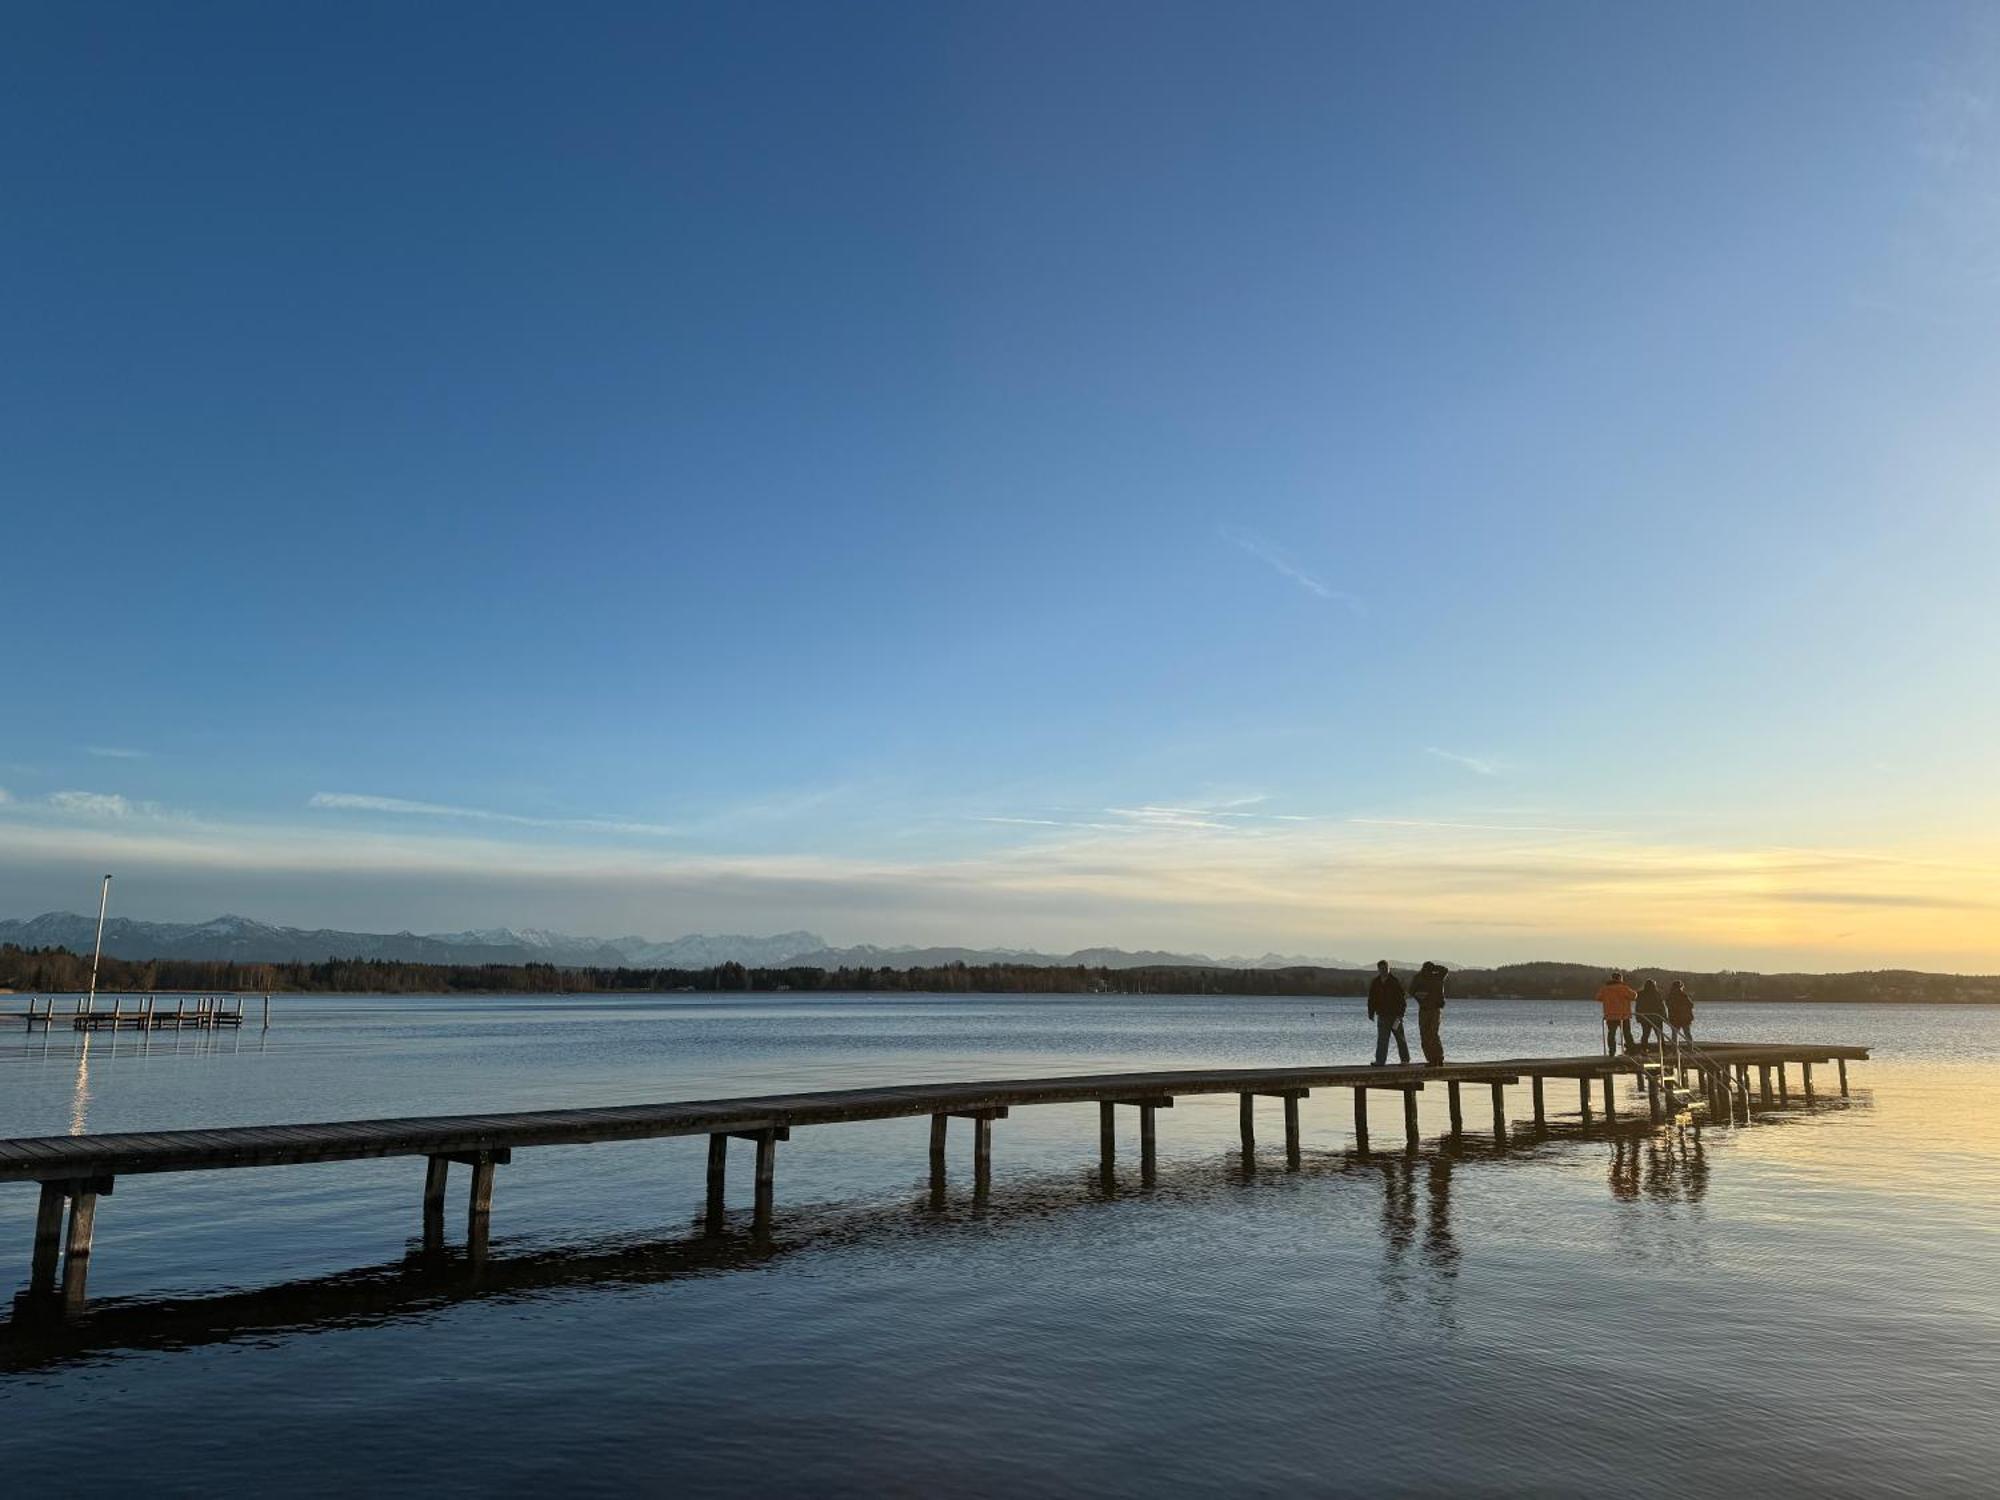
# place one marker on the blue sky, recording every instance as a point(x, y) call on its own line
point(1501, 481)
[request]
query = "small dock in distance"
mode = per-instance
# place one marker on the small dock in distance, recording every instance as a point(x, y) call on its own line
point(74, 1171)
point(147, 1013)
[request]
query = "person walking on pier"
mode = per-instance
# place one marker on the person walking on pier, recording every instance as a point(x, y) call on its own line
point(1616, 997)
point(1680, 1012)
point(1385, 1009)
point(1651, 1009)
point(1428, 990)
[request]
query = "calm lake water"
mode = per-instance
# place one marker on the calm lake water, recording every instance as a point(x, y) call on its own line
point(1805, 1305)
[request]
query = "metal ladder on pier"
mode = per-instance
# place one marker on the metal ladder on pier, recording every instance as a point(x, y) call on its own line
point(1667, 1081)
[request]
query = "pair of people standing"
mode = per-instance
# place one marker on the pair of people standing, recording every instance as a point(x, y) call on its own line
point(1656, 1012)
point(1387, 1004)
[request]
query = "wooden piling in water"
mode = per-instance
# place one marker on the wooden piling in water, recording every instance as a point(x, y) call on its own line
point(48, 1239)
point(1610, 1102)
point(1361, 1120)
point(1541, 1120)
point(1411, 1141)
point(1499, 1113)
point(1583, 1096)
point(1107, 1134)
point(939, 1127)
point(1805, 1072)
point(1784, 1086)
point(1653, 1096)
point(437, 1172)
point(76, 1253)
point(718, 1173)
point(1843, 1076)
point(767, 1175)
point(1451, 1095)
point(1292, 1130)
point(1764, 1082)
point(1246, 1124)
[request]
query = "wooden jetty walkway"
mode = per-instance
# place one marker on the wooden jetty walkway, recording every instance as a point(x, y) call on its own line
point(206, 1013)
point(74, 1171)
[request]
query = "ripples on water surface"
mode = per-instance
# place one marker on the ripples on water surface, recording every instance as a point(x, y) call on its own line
point(1806, 1305)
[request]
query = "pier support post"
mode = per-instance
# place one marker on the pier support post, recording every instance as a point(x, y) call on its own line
point(1361, 1120)
point(718, 1175)
point(1148, 1142)
point(437, 1169)
point(939, 1126)
point(1843, 1076)
point(767, 1172)
point(1451, 1095)
point(1610, 1099)
point(1246, 1124)
point(1410, 1119)
point(76, 1251)
point(1764, 1082)
point(982, 1154)
point(1107, 1133)
point(1653, 1095)
point(1292, 1131)
point(1583, 1095)
point(48, 1240)
point(1499, 1114)
point(1805, 1070)
point(1541, 1118)
point(1784, 1086)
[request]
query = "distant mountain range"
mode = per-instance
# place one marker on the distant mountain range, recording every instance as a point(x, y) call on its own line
point(249, 941)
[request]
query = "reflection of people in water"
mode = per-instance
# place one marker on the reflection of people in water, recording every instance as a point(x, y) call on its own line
point(1625, 1168)
point(1399, 1220)
point(1440, 1248)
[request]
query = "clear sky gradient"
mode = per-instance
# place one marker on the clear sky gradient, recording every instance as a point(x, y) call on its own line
point(1486, 481)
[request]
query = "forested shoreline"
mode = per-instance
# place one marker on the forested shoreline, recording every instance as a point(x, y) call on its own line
point(59, 971)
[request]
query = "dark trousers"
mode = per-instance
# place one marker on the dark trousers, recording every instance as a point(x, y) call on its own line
point(1611, 1030)
point(1429, 1017)
point(1651, 1027)
point(1387, 1026)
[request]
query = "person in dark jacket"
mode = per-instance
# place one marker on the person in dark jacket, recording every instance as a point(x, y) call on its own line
point(1680, 1012)
point(1651, 1009)
point(1385, 1009)
point(1427, 989)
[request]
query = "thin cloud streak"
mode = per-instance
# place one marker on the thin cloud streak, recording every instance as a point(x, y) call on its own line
point(1477, 764)
point(405, 807)
point(1265, 553)
point(113, 752)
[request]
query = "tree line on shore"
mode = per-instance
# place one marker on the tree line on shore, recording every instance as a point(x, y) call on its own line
point(59, 971)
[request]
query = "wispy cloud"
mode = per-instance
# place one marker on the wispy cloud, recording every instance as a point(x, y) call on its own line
point(406, 807)
point(5, 796)
point(95, 804)
point(1479, 765)
point(115, 752)
point(1271, 557)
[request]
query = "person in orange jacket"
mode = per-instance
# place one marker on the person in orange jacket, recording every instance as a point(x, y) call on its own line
point(1616, 997)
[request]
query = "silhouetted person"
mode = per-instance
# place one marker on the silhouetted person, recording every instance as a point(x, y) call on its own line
point(1427, 989)
point(1651, 1009)
point(1680, 1012)
point(1385, 1009)
point(1616, 997)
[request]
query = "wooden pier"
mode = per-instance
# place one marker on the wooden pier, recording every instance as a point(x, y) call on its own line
point(74, 1171)
point(147, 1013)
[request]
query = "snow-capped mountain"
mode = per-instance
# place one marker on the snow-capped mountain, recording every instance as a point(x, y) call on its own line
point(247, 940)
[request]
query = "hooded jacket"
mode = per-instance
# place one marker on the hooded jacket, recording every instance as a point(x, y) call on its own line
point(1385, 996)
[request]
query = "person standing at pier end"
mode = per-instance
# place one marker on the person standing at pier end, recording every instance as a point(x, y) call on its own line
point(1428, 990)
point(1651, 1009)
point(1385, 1008)
point(1680, 1012)
point(1616, 996)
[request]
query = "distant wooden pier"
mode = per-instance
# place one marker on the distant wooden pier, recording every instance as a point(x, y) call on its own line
point(147, 1012)
point(74, 1171)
